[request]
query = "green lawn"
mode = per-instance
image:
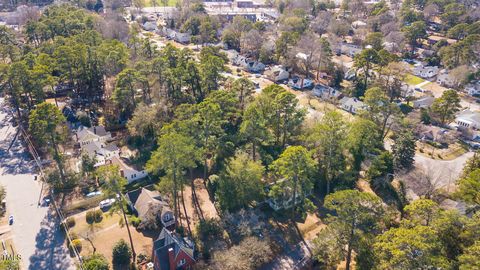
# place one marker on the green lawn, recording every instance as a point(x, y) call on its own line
point(160, 3)
point(413, 80)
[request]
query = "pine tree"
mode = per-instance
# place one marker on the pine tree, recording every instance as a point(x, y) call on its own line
point(404, 150)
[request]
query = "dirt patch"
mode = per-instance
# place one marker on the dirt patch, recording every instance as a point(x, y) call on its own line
point(207, 209)
point(311, 227)
point(436, 89)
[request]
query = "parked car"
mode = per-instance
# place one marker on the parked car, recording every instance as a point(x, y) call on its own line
point(93, 194)
point(106, 203)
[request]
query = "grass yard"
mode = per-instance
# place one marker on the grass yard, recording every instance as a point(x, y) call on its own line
point(160, 3)
point(452, 152)
point(413, 80)
point(105, 234)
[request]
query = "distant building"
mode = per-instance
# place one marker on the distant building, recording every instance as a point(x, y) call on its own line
point(352, 105)
point(150, 26)
point(423, 102)
point(143, 201)
point(349, 49)
point(325, 92)
point(445, 79)
point(473, 89)
point(93, 134)
point(468, 119)
point(131, 174)
point(172, 252)
point(277, 73)
point(101, 152)
point(426, 72)
point(433, 39)
point(359, 24)
point(248, 64)
point(177, 36)
point(300, 83)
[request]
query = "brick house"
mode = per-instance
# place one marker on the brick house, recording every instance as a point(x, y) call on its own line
point(172, 252)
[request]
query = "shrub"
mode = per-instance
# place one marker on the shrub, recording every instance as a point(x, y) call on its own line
point(95, 262)
point(77, 244)
point(90, 216)
point(98, 215)
point(135, 221)
point(70, 222)
point(121, 253)
point(94, 216)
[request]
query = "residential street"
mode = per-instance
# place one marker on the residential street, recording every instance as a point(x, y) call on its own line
point(35, 230)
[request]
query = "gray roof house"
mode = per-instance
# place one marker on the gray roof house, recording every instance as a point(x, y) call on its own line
point(423, 102)
point(249, 64)
point(148, 202)
point(352, 105)
point(101, 152)
point(468, 119)
point(425, 72)
point(92, 134)
point(172, 252)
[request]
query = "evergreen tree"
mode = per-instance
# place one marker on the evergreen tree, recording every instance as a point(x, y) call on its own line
point(403, 150)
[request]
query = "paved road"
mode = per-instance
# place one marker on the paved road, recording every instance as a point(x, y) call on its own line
point(447, 171)
point(36, 233)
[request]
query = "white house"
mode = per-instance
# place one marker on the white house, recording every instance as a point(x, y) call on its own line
point(349, 49)
point(300, 83)
point(468, 119)
point(473, 89)
point(101, 152)
point(249, 64)
point(150, 26)
point(126, 171)
point(352, 105)
point(425, 72)
point(446, 79)
point(325, 92)
point(93, 134)
point(359, 24)
point(277, 73)
point(423, 102)
point(179, 37)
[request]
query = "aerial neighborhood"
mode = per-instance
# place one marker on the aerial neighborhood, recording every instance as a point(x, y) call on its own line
point(240, 134)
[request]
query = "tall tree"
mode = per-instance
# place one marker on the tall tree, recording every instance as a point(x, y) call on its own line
point(403, 149)
point(356, 214)
point(175, 154)
point(329, 138)
point(362, 139)
point(364, 62)
point(240, 183)
point(254, 128)
point(469, 188)
point(295, 165)
point(409, 248)
point(47, 127)
point(380, 110)
point(446, 106)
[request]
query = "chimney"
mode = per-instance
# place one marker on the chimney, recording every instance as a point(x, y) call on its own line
point(122, 173)
point(171, 259)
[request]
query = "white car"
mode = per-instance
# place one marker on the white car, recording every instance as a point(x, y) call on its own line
point(93, 194)
point(106, 203)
